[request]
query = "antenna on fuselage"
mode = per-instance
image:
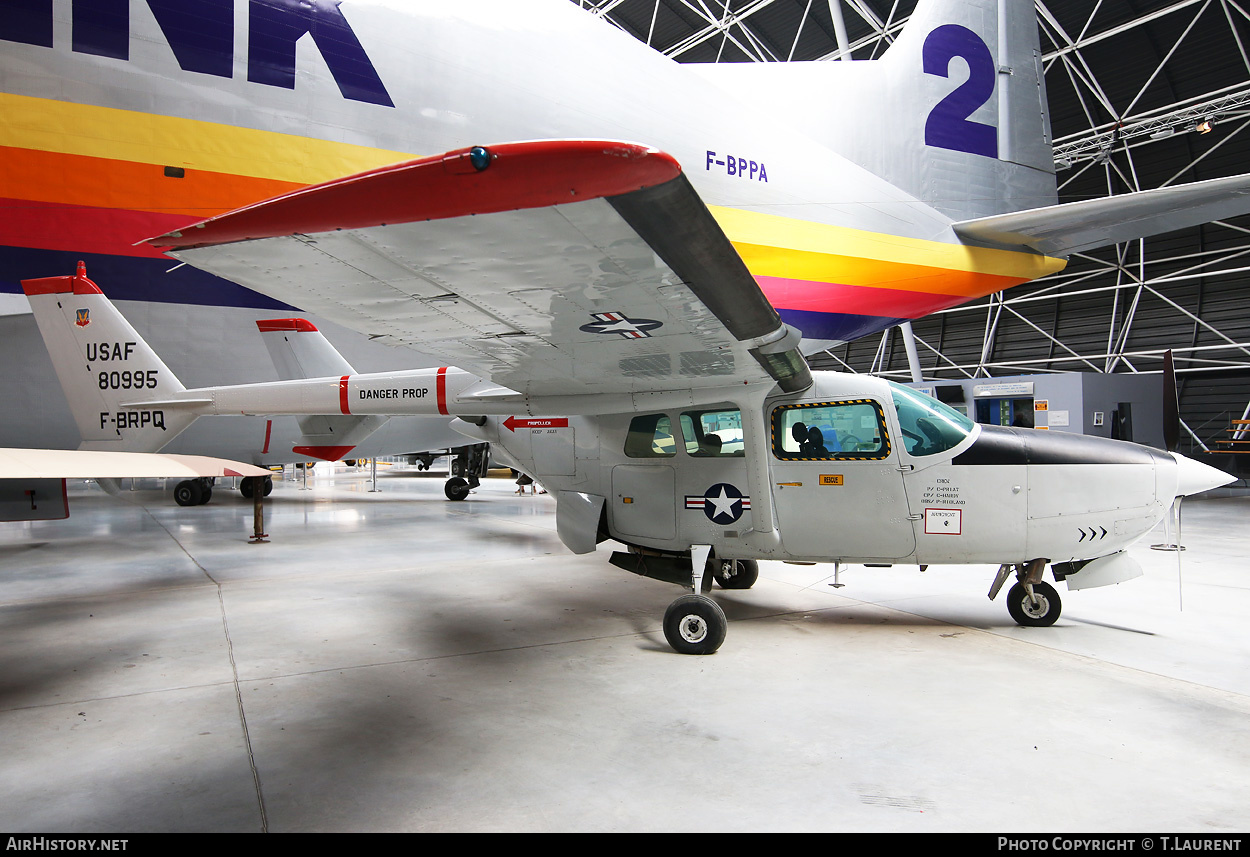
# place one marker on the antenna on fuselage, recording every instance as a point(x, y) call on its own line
point(1171, 437)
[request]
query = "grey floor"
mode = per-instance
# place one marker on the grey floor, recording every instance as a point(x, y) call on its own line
point(391, 661)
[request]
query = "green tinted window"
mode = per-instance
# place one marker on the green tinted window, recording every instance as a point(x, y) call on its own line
point(927, 425)
point(650, 436)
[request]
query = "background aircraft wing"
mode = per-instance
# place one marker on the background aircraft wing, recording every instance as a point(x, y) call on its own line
point(553, 267)
point(96, 464)
point(1071, 227)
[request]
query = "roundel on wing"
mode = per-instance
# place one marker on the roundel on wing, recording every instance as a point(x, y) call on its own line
point(621, 324)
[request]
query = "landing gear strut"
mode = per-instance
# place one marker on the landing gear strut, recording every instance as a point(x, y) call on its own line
point(469, 465)
point(1031, 602)
point(694, 624)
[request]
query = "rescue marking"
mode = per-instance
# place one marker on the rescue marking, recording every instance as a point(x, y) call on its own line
point(831, 479)
point(618, 322)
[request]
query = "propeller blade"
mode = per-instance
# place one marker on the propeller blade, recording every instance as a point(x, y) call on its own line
point(1171, 405)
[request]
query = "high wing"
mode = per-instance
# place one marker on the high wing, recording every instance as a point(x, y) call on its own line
point(96, 464)
point(1071, 227)
point(551, 268)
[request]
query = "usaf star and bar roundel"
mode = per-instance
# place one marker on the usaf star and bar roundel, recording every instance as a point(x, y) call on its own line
point(722, 503)
point(619, 323)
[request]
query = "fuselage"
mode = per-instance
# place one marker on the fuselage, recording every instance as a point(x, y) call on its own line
point(858, 470)
point(117, 130)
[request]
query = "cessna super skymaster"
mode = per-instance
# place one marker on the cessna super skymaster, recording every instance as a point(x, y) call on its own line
point(620, 263)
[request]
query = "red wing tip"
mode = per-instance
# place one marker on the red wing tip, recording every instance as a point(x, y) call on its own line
point(514, 176)
point(300, 324)
point(325, 453)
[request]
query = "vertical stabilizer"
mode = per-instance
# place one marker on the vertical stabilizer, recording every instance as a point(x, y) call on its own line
point(102, 362)
point(954, 112)
point(301, 351)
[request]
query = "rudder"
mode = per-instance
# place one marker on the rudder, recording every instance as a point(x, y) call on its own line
point(954, 112)
point(102, 362)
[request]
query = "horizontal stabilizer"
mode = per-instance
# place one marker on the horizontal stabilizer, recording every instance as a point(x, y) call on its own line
point(1059, 230)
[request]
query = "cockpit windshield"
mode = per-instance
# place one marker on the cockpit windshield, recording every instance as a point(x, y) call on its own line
point(928, 426)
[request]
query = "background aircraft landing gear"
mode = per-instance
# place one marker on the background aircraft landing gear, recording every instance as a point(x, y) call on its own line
point(457, 488)
point(469, 465)
point(695, 625)
point(194, 492)
point(1039, 609)
point(734, 573)
point(245, 487)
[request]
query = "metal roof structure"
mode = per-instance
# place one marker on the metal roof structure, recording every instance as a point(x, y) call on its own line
point(1143, 94)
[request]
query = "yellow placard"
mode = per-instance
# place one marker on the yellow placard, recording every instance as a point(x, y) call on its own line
point(831, 479)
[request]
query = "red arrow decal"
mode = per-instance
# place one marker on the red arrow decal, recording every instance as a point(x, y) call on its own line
point(512, 423)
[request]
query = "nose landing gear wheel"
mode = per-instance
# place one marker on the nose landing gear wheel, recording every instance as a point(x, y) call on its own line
point(695, 625)
point(1039, 613)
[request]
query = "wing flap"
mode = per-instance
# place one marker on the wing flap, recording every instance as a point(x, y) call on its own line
point(1071, 227)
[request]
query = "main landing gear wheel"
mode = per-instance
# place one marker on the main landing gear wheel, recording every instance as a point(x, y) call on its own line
point(191, 492)
point(1040, 612)
point(246, 487)
point(695, 625)
point(735, 573)
point(456, 488)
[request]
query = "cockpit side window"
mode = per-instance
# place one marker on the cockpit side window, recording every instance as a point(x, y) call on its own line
point(650, 436)
point(712, 434)
point(852, 429)
point(928, 426)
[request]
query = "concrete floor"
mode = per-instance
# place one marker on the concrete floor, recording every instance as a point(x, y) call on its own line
point(395, 662)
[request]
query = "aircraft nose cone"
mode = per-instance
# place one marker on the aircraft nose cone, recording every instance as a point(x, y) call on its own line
point(1194, 477)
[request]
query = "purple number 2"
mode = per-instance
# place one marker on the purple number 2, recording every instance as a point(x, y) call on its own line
point(948, 125)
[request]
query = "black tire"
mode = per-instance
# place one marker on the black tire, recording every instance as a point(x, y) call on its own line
point(1023, 611)
point(456, 488)
point(735, 573)
point(268, 486)
point(206, 494)
point(188, 493)
point(695, 625)
point(245, 487)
